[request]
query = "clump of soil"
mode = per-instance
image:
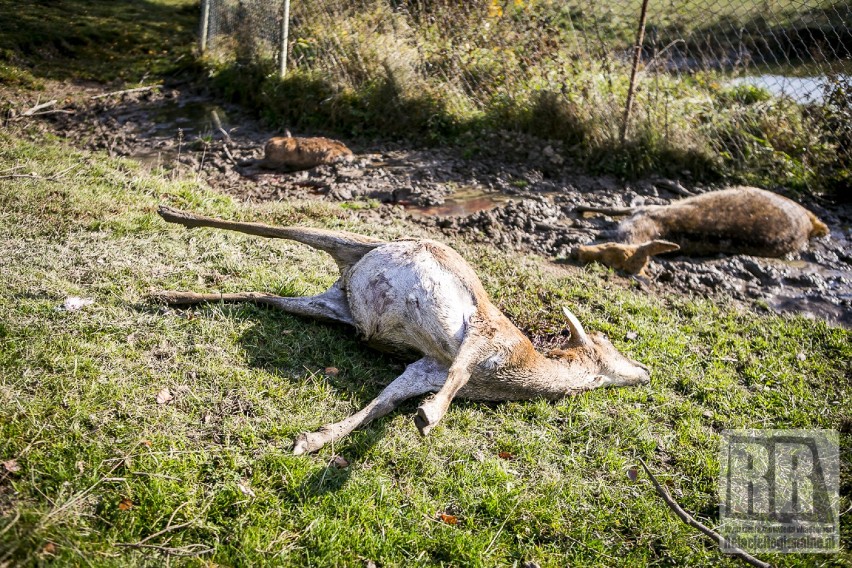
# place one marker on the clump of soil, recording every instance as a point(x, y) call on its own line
point(519, 195)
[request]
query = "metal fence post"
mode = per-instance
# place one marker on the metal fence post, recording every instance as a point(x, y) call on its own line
point(285, 33)
point(205, 24)
point(637, 55)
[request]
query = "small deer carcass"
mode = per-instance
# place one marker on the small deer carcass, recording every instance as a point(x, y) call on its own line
point(421, 296)
point(290, 153)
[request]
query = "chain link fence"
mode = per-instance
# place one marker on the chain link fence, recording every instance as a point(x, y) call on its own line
point(694, 56)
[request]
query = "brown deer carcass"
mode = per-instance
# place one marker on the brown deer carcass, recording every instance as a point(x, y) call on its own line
point(420, 295)
point(738, 220)
point(290, 153)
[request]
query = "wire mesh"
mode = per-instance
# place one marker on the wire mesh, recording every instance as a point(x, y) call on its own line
point(484, 54)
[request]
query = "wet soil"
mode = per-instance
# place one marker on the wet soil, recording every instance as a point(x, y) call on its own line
point(517, 193)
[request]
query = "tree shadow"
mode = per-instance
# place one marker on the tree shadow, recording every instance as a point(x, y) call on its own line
point(97, 40)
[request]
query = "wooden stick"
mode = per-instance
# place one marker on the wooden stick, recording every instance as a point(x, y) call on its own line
point(37, 108)
point(690, 520)
point(126, 91)
point(637, 56)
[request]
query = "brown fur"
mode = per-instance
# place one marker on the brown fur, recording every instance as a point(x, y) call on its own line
point(739, 220)
point(292, 153)
point(632, 259)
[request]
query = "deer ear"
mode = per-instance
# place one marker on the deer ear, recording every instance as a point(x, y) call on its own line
point(578, 334)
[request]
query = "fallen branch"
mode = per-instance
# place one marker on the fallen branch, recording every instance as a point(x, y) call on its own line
point(37, 108)
point(125, 92)
point(228, 152)
point(218, 123)
point(673, 186)
point(690, 520)
point(55, 177)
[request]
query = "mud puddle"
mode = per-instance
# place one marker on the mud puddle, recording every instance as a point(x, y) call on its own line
point(517, 194)
point(460, 203)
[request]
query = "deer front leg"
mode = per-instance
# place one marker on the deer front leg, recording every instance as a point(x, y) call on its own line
point(473, 351)
point(420, 377)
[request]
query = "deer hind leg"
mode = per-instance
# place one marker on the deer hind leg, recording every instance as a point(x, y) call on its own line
point(473, 351)
point(331, 305)
point(420, 377)
point(345, 248)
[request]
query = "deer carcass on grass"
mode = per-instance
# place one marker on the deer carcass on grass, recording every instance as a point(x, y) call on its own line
point(420, 295)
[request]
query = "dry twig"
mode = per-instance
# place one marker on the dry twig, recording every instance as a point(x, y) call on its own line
point(690, 520)
point(125, 92)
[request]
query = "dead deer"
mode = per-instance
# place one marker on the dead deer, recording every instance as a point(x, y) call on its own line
point(420, 295)
point(632, 259)
point(291, 153)
point(738, 220)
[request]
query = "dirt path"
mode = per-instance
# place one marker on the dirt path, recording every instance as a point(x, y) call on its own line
point(517, 193)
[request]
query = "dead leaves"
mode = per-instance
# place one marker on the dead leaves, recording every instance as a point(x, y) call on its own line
point(11, 466)
point(332, 371)
point(164, 396)
point(339, 462)
point(448, 519)
point(125, 504)
point(633, 473)
point(74, 303)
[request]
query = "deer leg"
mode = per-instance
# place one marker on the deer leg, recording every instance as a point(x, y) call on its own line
point(331, 305)
point(420, 377)
point(473, 350)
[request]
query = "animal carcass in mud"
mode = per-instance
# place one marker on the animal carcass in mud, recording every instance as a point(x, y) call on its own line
point(292, 153)
point(632, 259)
point(738, 220)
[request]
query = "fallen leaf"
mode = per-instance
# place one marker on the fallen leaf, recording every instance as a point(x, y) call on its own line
point(449, 519)
point(11, 466)
point(125, 504)
point(246, 490)
point(164, 396)
point(81, 466)
point(479, 456)
point(332, 371)
point(73, 303)
point(339, 462)
point(633, 473)
point(506, 456)
point(49, 548)
point(146, 443)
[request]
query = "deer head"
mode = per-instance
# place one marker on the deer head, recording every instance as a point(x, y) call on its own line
point(593, 356)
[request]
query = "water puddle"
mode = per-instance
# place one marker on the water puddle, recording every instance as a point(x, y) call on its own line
point(464, 202)
point(803, 90)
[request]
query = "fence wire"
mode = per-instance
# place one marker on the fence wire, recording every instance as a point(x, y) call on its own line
point(480, 53)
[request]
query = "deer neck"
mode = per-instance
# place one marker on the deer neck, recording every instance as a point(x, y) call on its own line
point(536, 375)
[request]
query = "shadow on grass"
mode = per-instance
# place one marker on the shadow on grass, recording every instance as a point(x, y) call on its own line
point(287, 345)
point(97, 39)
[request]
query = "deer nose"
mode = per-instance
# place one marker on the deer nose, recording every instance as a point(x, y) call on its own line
point(645, 367)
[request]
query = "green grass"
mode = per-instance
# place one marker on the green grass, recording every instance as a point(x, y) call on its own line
point(102, 465)
point(130, 41)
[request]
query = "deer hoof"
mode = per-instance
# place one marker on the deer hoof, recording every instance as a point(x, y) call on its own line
point(307, 442)
point(424, 421)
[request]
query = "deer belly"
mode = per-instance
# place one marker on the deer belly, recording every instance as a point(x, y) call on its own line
point(400, 297)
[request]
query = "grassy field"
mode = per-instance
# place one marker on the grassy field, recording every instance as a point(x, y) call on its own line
point(96, 471)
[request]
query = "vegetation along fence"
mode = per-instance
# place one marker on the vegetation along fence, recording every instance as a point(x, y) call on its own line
point(754, 89)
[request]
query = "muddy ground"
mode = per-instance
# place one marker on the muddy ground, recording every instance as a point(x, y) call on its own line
point(517, 193)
